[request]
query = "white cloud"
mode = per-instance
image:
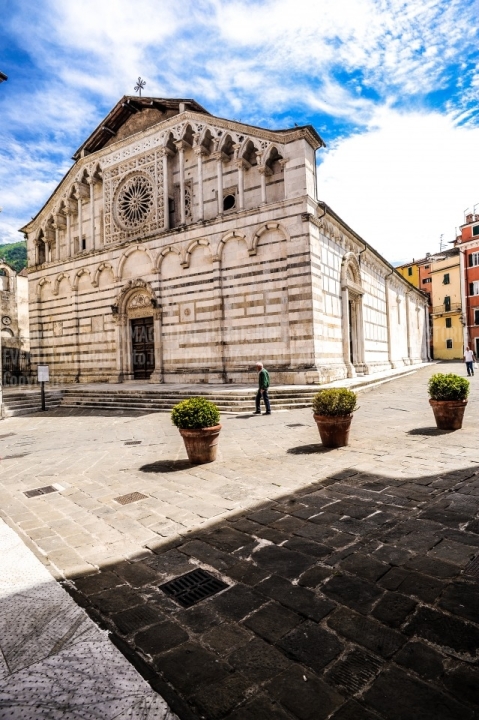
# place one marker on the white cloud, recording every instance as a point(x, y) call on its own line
point(404, 182)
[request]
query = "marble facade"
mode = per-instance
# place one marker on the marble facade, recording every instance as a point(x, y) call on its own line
point(183, 247)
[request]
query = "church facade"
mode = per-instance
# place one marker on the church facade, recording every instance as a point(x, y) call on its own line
point(183, 247)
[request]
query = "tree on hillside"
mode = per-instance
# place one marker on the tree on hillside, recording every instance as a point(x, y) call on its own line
point(15, 254)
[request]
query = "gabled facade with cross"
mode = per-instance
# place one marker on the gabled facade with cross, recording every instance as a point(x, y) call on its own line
point(183, 247)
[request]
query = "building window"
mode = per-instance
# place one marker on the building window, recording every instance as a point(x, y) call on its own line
point(449, 344)
point(476, 317)
point(446, 279)
point(426, 267)
point(409, 271)
point(475, 230)
point(447, 303)
point(229, 202)
point(448, 322)
point(427, 280)
point(474, 288)
point(474, 259)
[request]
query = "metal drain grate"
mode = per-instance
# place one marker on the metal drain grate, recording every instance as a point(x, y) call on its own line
point(40, 491)
point(131, 497)
point(133, 442)
point(193, 587)
point(472, 568)
point(296, 425)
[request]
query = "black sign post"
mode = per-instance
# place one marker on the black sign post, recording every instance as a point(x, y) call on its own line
point(43, 377)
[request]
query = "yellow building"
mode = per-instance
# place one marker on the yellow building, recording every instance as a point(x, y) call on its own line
point(410, 271)
point(446, 306)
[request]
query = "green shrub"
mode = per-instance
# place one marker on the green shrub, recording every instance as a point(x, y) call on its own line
point(335, 402)
point(195, 412)
point(448, 387)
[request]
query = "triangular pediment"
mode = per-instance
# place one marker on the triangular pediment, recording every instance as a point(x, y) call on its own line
point(131, 115)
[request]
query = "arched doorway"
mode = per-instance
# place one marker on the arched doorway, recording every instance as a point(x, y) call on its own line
point(352, 316)
point(138, 333)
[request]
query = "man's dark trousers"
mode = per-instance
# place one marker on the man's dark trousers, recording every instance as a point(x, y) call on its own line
point(262, 394)
point(470, 367)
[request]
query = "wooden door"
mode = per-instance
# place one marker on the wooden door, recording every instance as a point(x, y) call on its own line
point(143, 347)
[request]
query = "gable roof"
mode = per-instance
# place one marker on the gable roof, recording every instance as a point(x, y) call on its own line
point(130, 105)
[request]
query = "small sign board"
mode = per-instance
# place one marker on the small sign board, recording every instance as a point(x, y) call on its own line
point(43, 373)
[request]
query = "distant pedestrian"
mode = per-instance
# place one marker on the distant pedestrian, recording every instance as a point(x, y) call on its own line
point(469, 360)
point(263, 385)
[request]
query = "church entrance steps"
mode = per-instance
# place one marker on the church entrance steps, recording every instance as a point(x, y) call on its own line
point(26, 402)
point(142, 397)
point(158, 401)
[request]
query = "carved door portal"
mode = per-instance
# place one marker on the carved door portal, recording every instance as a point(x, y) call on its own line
point(143, 347)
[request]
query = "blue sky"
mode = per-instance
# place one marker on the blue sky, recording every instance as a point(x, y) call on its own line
point(392, 86)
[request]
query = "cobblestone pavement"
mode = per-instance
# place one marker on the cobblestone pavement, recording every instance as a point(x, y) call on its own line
point(53, 657)
point(352, 587)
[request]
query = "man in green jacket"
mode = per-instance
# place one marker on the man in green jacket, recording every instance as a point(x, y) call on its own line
point(263, 385)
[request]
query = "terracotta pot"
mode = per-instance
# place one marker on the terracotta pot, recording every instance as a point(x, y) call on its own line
point(334, 431)
point(448, 413)
point(201, 443)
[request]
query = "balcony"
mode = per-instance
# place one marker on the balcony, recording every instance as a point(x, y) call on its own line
point(446, 308)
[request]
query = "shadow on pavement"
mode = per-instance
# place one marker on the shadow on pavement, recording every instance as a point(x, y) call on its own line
point(308, 449)
point(166, 466)
point(354, 598)
point(429, 431)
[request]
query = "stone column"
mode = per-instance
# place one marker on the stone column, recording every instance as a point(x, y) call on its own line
point(345, 332)
point(49, 241)
point(69, 233)
point(242, 165)
point(59, 224)
point(157, 374)
point(219, 156)
point(182, 145)
point(217, 279)
point(388, 321)
point(119, 332)
point(166, 153)
point(408, 328)
point(264, 172)
point(82, 192)
point(91, 183)
point(199, 152)
point(80, 225)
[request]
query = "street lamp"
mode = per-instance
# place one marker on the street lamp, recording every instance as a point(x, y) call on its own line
point(3, 77)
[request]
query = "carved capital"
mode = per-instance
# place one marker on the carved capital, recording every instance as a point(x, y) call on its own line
point(220, 156)
point(200, 151)
point(182, 145)
point(82, 191)
point(60, 222)
point(242, 163)
point(265, 170)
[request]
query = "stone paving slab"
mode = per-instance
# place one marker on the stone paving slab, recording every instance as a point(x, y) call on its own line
point(55, 662)
point(352, 580)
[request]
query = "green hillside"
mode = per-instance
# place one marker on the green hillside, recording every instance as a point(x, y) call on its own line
point(15, 254)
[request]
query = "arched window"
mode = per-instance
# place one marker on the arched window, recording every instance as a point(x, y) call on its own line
point(4, 284)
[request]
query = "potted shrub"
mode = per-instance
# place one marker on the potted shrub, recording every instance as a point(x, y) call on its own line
point(333, 411)
point(448, 399)
point(198, 421)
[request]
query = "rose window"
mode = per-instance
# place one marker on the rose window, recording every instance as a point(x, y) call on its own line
point(134, 201)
